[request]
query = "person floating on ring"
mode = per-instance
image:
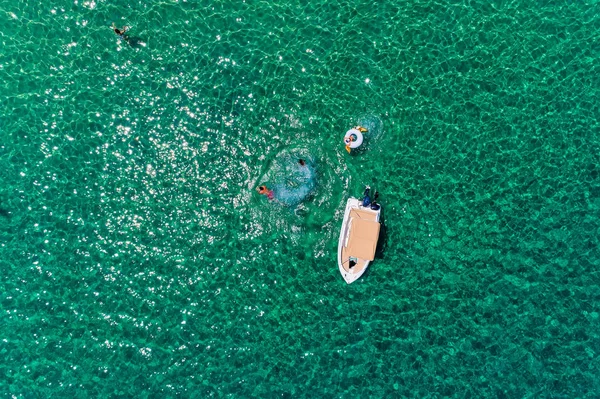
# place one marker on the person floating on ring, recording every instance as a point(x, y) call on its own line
point(263, 190)
point(354, 137)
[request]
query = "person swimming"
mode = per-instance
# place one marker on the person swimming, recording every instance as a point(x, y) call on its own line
point(302, 162)
point(120, 32)
point(263, 190)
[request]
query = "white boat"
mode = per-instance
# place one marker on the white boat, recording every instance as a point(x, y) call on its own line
point(358, 239)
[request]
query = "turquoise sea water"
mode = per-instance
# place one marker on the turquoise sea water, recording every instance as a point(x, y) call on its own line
point(138, 260)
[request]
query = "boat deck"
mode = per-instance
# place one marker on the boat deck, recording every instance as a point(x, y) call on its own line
point(361, 240)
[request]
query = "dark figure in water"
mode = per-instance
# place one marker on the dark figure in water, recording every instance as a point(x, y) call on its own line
point(131, 40)
point(302, 162)
point(120, 32)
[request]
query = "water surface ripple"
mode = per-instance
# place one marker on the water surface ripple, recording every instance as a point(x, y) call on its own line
point(139, 261)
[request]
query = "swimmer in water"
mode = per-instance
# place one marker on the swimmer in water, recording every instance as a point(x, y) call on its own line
point(265, 191)
point(302, 162)
point(119, 32)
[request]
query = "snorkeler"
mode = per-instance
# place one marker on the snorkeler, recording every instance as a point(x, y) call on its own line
point(119, 32)
point(265, 191)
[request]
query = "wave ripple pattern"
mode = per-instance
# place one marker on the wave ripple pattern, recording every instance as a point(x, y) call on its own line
point(138, 260)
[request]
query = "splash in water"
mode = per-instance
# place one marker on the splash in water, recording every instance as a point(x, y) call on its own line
point(291, 177)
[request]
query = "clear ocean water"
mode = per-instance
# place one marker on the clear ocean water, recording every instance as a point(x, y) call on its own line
point(138, 260)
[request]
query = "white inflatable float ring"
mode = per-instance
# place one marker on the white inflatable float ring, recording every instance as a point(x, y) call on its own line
point(353, 138)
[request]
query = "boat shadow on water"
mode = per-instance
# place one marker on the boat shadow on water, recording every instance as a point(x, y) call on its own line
point(382, 239)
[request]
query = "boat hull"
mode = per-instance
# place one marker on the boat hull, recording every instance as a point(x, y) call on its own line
point(356, 251)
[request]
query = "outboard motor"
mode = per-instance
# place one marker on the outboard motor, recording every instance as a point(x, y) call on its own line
point(375, 206)
point(366, 199)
